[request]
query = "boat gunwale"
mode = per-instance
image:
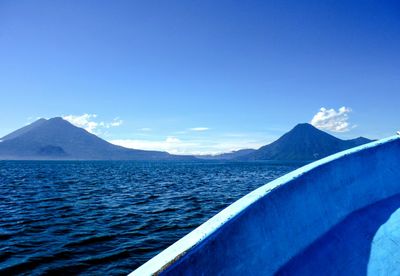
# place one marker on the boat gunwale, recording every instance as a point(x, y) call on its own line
point(177, 250)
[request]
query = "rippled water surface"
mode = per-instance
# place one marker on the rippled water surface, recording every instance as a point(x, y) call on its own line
point(107, 218)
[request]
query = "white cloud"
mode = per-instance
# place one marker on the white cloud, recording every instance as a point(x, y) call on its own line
point(332, 120)
point(145, 129)
point(84, 121)
point(114, 123)
point(170, 144)
point(181, 132)
point(175, 145)
point(88, 122)
point(199, 128)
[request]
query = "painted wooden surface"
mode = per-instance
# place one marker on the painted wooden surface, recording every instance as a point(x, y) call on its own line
point(286, 225)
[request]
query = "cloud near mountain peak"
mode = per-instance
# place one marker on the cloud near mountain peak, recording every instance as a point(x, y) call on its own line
point(332, 120)
point(89, 122)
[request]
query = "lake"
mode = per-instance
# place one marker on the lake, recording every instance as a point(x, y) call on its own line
point(109, 217)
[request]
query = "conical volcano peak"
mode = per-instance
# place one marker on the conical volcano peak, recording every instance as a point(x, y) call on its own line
point(305, 127)
point(56, 119)
point(57, 138)
point(40, 120)
point(303, 130)
point(59, 122)
point(303, 142)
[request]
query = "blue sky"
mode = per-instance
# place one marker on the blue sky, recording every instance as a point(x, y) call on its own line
point(201, 76)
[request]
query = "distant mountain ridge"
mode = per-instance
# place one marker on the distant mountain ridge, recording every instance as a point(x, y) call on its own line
point(303, 143)
point(59, 139)
point(226, 156)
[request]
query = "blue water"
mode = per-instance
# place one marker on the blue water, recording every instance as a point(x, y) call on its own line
point(108, 218)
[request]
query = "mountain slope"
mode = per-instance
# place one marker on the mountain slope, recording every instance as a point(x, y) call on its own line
point(23, 130)
point(58, 139)
point(303, 142)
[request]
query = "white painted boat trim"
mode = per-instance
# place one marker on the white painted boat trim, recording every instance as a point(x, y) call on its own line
point(161, 261)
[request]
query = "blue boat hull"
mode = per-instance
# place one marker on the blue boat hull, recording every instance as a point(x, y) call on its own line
point(334, 216)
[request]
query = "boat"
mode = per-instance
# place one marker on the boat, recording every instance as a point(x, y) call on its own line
point(337, 216)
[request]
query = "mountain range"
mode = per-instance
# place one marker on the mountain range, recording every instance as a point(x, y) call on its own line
point(58, 139)
point(303, 143)
point(227, 156)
